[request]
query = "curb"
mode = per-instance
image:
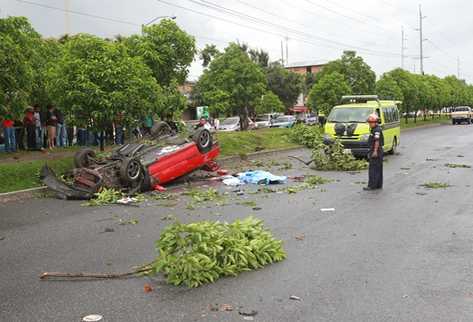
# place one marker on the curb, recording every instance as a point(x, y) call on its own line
point(29, 193)
point(423, 127)
point(20, 194)
point(250, 156)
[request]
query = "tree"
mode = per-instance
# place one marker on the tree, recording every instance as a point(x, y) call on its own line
point(18, 42)
point(95, 80)
point(259, 57)
point(207, 54)
point(358, 74)
point(387, 88)
point(232, 76)
point(269, 103)
point(166, 49)
point(327, 92)
point(285, 84)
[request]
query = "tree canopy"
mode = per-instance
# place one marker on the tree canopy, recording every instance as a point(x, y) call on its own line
point(232, 82)
point(269, 103)
point(327, 92)
point(358, 74)
point(95, 80)
point(285, 84)
point(166, 49)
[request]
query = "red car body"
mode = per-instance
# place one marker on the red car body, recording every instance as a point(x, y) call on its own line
point(136, 167)
point(180, 162)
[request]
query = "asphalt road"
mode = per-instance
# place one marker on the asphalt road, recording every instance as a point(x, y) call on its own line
point(402, 254)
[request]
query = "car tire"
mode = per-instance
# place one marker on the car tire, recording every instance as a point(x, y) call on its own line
point(453, 122)
point(82, 158)
point(203, 140)
point(394, 147)
point(161, 129)
point(131, 171)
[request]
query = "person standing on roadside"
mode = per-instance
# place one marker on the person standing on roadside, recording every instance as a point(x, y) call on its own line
point(39, 133)
point(51, 123)
point(30, 126)
point(216, 123)
point(9, 134)
point(61, 135)
point(375, 155)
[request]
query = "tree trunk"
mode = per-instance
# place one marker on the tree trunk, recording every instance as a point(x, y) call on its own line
point(102, 141)
point(244, 118)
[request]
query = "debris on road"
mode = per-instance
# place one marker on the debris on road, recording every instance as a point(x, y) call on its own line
point(249, 203)
point(327, 209)
point(456, 165)
point(92, 318)
point(147, 288)
point(198, 253)
point(254, 208)
point(431, 159)
point(435, 185)
point(231, 181)
point(226, 308)
point(295, 298)
point(300, 237)
point(247, 313)
point(109, 230)
point(123, 222)
point(261, 177)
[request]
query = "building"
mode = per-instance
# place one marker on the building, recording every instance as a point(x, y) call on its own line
point(304, 68)
point(186, 89)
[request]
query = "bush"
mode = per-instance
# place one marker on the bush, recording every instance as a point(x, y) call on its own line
point(309, 136)
point(325, 157)
point(199, 253)
point(334, 158)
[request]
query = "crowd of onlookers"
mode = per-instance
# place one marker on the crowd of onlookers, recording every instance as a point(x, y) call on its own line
point(36, 130)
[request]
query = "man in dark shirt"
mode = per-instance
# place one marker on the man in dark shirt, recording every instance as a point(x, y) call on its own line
point(375, 155)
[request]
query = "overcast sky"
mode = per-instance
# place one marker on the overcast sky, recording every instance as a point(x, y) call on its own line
point(317, 30)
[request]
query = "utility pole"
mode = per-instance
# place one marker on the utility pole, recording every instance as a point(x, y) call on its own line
point(403, 47)
point(282, 53)
point(421, 40)
point(67, 19)
point(287, 51)
point(458, 67)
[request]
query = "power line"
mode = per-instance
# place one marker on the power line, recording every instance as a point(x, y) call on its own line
point(273, 14)
point(221, 9)
point(78, 13)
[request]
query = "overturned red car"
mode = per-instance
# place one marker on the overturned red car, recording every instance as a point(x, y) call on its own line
point(141, 166)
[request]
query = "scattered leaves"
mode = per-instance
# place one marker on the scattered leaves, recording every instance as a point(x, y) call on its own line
point(198, 253)
point(435, 185)
point(456, 165)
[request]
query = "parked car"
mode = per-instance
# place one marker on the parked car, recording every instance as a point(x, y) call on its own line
point(462, 114)
point(134, 167)
point(264, 120)
point(233, 124)
point(311, 119)
point(284, 121)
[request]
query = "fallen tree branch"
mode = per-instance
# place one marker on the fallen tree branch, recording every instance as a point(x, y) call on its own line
point(48, 275)
point(299, 159)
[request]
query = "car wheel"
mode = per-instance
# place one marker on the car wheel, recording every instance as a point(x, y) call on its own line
point(84, 157)
point(161, 129)
point(394, 147)
point(203, 140)
point(453, 122)
point(130, 171)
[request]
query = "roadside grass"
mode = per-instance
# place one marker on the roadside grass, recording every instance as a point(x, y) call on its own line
point(242, 143)
point(23, 174)
point(420, 121)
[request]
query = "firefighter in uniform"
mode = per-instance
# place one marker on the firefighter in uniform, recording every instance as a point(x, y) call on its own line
point(375, 155)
